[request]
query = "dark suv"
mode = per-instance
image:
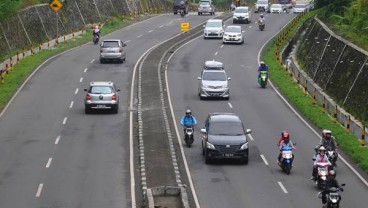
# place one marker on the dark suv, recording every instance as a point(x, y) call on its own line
point(225, 137)
point(176, 6)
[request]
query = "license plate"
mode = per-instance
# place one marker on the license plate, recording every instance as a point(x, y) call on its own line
point(228, 155)
point(232, 38)
point(101, 106)
point(111, 51)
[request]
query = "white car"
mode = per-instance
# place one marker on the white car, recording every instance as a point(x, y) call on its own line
point(276, 8)
point(299, 8)
point(214, 28)
point(233, 34)
point(242, 14)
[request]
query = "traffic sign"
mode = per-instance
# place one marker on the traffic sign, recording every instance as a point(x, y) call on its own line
point(184, 26)
point(56, 5)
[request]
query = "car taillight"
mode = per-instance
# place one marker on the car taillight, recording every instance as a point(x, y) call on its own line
point(114, 97)
point(88, 97)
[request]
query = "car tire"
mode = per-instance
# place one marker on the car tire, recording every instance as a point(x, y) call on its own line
point(201, 97)
point(234, 21)
point(175, 13)
point(115, 109)
point(204, 37)
point(199, 13)
point(102, 61)
point(244, 160)
point(87, 110)
point(121, 60)
point(207, 159)
point(227, 98)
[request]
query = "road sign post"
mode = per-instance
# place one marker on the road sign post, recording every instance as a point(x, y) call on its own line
point(56, 6)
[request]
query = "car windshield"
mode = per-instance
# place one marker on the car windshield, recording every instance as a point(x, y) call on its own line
point(300, 6)
point(100, 90)
point(110, 44)
point(205, 3)
point(262, 2)
point(214, 24)
point(226, 128)
point(233, 29)
point(276, 6)
point(214, 76)
point(241, 10)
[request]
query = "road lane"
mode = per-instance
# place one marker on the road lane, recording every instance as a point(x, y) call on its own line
point(257, 184)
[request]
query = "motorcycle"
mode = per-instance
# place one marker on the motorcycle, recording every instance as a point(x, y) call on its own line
point(261, 25)
point(95, 38)
point(182, 12)
point(322, 174)
point(333, 197)
point(287, 159)
point(189, 136)
point(262, 79)
point(332, 156)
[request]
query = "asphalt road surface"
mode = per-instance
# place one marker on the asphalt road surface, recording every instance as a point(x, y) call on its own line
point(261, 183)
point(51, 153)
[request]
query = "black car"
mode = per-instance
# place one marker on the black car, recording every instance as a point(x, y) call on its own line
point(225, 137)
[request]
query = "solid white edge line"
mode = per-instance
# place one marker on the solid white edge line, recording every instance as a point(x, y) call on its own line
point(177, 131)
point(139, 36)
point(64, 121)
point(81, 79)
point(71, 104)
point(76, 91)
point(92, 61)
point(85, 70)
point(150, 31)
point(127, 41)
point(39, 190)
point(230, 105)
point(282, 187)
point(57, 140)
point(301, 118)
point(49, 162)
point(264, 159)
point(250, 137)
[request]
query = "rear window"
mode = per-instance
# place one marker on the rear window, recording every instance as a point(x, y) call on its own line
point(214, 24)
point(110, 44)
point(101, 90)
point(226, 128)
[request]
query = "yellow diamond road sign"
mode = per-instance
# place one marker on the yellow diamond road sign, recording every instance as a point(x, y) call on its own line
point(184, 26)
point(56, 5)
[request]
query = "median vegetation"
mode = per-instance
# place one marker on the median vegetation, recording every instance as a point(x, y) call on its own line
point(289, 88)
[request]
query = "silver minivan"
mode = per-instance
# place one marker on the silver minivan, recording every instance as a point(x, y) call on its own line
point(112, 49)
point(213, 84)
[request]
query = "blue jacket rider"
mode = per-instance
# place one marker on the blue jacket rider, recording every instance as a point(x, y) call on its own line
point(188, 119)
point(262, 67)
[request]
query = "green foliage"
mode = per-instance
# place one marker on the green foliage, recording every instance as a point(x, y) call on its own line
point(10, 7)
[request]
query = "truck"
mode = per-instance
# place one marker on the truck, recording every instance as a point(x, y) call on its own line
point(262, 6)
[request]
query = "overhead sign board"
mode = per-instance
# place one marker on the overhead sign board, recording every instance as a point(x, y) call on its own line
point(56, 5)
point(184, 26)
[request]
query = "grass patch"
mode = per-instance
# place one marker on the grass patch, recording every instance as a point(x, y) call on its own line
point(348, 142)
point(21, 71)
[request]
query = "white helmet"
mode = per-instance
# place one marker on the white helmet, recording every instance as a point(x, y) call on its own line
point(96, 27)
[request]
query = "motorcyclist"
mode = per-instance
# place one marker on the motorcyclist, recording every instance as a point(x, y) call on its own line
point(96, 31)
point(262, 67)
point(330, 182)
point(285, 142)
point(261, 19)
point(182, 6)
point(329, 142)
point(321, 158)
point(284, 134)
point(188, 120)
point(232, 6)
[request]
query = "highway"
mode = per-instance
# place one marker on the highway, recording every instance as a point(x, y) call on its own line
point(261, 183)
point(52, 154)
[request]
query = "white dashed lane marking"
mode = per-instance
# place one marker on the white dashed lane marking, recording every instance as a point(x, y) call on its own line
point(64, 121)
point(230, 105)
point(127, 41)
point(139, 36)
point(161, 26)
point(264, 159)
point(150, 31)
point(81, 79)
point(85, 70)
point(71, 104)
point(92, 61)
point(216, 53)
point(57, 140)
point(282, 187)
point(222, 46)
point(39, 190)
point(48, 164)
point(76, 91)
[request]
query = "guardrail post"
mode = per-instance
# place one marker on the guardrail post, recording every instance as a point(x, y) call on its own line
point(324, 104)
point(23, 53)
point(298, 78)
point(362, 141)
point(335, 114)
point(348, 125)
point(291, 75)
point(314, 96)
point(2, 76)
point(305, 87)
point(11, 63)
point(18, 57)
point(6, 70)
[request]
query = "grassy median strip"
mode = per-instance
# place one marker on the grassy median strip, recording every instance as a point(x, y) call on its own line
point(21, 71)
point(348, 142)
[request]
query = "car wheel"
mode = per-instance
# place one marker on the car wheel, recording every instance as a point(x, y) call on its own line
point(87, 110)
point(121, 61)
point(207, 159)
point(199, 13)
point(245, 160)
point(204, 37)
point(201, 97)
point(234, 22)
point(175, 13)
point(227, 98)
point(102, 61)
point(115, 109)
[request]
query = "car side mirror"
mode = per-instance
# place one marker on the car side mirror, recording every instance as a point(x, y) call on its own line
point(85, 90)
point(199, 78)
point(203, 131)
point(343, 184)
point(118, 90)
point(229, 78)
point(248, 131)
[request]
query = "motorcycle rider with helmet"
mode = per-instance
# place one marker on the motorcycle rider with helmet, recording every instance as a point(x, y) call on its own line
point(329, 142)
point(330, 182)
point(97, 32)
point(261, 20)
point(262, 67)
point(285, 141)
point(320, 158)
point(182, 6)
point(188, 120)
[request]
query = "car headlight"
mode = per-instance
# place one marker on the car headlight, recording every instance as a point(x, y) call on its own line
point(244, 146)
point(210, 146)
point(239, 35)
point(224, 86)
point(205, 86)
